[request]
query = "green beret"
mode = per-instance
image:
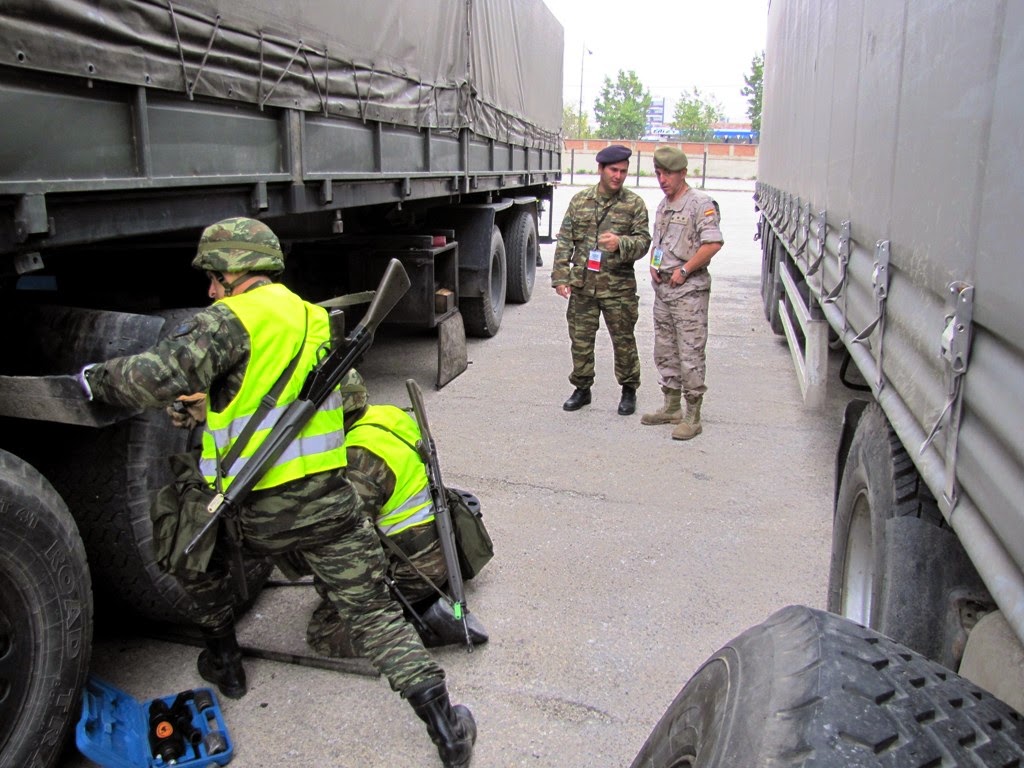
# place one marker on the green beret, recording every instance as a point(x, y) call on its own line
point(670, 159)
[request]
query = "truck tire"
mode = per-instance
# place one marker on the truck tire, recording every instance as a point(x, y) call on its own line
point(108, 478)
point(808, 688)
point(45, 617)
point(896, 566)
point(109, 483)
point(771, 283)
point(521, 254)
point(482, 315)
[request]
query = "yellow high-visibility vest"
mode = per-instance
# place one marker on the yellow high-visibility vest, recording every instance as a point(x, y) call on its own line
point(277, 321)
point(381, 431)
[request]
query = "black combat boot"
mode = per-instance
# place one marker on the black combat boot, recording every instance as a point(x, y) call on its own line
point(221, 662)
point(452, 729)
point(627, 404)
point(577, 400)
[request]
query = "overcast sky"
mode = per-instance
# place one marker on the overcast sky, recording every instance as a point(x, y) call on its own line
point(672, 47)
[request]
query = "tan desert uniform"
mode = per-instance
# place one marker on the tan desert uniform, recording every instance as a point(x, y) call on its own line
point(681, 312)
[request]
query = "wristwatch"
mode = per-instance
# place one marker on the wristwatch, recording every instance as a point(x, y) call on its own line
point(686, 272)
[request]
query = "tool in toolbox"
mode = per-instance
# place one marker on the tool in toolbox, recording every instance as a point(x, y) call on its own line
point(186, 730)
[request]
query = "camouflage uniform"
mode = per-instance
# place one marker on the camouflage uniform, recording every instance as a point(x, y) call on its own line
point(316, 520)
point(374, 483)
point(611, 291)
point(681, 312)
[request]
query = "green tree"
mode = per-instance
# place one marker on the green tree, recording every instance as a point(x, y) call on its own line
point(695, 115)
point(621, 110)
point(574, 125)
point(754, 90)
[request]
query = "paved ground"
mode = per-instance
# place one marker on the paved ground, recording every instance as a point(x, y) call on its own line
point(623, 558)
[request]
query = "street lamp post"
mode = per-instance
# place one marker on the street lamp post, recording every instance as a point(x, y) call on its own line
point(583, 54)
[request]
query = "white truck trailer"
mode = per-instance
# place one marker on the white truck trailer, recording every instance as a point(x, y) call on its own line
point(891, 196)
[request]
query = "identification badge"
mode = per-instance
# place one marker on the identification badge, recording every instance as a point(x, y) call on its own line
point(594, 261)
point(656, 257)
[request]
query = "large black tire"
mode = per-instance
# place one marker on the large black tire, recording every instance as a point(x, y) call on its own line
point(482, 315)
point(45, 618)
point(109, 478)
point(896, 566)
point(521, 255)
point(808, 688)
point(110, 485)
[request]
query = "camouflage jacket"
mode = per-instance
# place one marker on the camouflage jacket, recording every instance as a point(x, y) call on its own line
point(590, 213)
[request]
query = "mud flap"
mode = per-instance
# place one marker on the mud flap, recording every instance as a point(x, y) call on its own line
point(452, 358)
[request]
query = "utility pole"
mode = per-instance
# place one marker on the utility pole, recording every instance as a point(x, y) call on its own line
point(583, 55)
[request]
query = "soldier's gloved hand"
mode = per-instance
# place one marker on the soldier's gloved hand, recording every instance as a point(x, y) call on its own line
point(83, 380)
point(188, 410)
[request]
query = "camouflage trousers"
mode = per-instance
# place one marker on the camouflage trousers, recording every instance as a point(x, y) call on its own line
point(681, 333)
point(329, 635)
point(620, 316)
point(318, 520)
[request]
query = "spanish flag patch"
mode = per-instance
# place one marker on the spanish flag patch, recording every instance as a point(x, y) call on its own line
point(709, 212)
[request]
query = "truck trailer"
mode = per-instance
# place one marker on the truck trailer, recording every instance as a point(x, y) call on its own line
point(889, 190)
point(422, 130)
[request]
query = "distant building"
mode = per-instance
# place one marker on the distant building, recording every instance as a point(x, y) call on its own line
point(655, 124)
point(737, 133)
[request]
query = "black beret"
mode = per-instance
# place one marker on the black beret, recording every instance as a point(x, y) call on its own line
point(614, 153)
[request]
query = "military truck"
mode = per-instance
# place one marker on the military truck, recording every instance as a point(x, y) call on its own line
point(890, 194)
point(361, 132)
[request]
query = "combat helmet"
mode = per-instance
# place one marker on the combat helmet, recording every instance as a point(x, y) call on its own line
point(239, 244)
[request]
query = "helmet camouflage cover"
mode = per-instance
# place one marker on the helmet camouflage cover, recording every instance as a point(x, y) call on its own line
point(239, 245)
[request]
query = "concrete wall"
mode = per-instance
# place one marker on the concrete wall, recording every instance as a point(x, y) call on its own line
point(724, 161)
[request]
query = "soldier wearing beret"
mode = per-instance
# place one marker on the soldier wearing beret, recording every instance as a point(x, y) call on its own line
point(604, 232)
point(686, 236)
point(304, 511)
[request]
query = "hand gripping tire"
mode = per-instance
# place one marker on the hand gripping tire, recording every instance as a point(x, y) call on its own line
point(45, 617)
point(808, 688)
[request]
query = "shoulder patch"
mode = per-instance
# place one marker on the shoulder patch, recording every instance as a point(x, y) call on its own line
point(709, 211)
point(184, 328)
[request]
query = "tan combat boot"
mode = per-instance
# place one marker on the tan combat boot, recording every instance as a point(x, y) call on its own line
point(689, 427)
point(670, 412)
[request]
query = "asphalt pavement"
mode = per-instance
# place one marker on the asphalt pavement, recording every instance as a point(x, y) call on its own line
point(623, 558)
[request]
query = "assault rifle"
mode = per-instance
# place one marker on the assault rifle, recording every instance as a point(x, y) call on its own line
point(325, 376)
point(442, 513)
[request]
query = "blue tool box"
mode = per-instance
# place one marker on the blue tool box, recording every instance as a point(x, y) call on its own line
point(186, 730)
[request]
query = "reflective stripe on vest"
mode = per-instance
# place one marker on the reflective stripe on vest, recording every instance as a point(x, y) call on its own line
point(276, 319)
point(411, 503)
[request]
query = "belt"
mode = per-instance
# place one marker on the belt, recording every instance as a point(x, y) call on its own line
point(670, 270)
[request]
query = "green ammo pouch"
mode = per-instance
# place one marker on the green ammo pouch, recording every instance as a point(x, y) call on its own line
point(472, 542)
point(178, 514)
